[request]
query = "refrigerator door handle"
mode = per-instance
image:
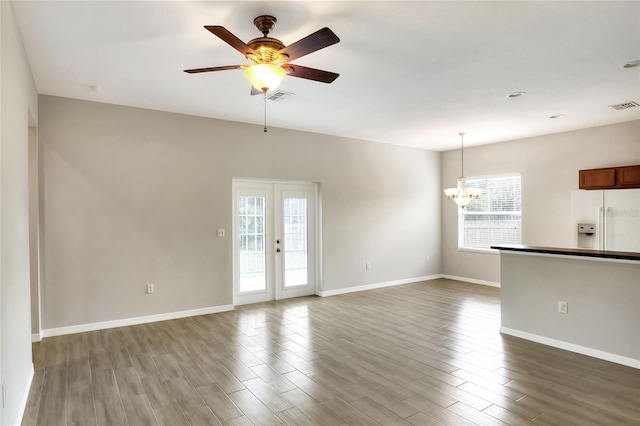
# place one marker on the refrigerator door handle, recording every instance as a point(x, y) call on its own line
point(605, 215)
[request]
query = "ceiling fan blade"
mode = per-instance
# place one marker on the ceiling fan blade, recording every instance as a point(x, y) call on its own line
point(224, 68)
point(310, 73)
point(255, 91)
point(230, 39)
point(316, 41)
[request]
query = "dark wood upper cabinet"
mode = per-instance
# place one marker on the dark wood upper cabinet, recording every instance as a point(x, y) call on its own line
point(610, 178)
point(628, 177)
point(597, 178)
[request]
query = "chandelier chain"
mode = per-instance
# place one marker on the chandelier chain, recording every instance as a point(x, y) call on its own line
point(462, 152)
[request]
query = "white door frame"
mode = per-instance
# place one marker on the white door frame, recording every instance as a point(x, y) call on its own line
point(274, 191)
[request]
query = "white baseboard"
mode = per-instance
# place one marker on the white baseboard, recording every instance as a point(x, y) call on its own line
point(374, 286)
point(472, 280)
point(571, 347)
point(25, 398)
point(132, 321)
point(36, 337)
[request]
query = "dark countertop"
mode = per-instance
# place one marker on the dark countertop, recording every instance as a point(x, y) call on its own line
point(606, 254)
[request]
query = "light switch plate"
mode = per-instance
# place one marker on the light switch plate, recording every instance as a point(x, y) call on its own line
point(563, 307)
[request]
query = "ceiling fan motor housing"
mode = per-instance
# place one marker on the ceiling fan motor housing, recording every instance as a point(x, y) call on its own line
point(266, 49)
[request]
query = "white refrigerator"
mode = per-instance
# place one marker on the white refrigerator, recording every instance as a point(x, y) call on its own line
point(606, 219)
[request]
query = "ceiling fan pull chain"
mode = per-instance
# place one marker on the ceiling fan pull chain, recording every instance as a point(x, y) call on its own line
point(265, 111)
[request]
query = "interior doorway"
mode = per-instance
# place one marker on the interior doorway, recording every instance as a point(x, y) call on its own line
point(35, 229)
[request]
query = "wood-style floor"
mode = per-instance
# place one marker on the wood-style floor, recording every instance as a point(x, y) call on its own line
point(421, 354)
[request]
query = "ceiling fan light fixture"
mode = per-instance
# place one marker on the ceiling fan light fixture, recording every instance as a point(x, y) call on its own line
point(265, 77)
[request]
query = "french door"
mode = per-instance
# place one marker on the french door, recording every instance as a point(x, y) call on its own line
point(274, 240)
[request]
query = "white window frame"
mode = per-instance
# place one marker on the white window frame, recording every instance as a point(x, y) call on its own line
point(461, 214)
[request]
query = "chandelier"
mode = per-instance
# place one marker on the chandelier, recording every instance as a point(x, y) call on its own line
point(462, 195)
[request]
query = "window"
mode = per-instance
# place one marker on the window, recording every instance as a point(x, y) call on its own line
point(495, 218)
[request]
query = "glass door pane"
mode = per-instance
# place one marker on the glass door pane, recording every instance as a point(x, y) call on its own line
point(251, 234)
point(295, 242)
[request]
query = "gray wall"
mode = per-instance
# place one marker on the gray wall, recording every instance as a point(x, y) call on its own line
point(549, 167)
point(134, 196)
point(18, 111)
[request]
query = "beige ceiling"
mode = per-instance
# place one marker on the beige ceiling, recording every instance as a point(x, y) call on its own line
point(411, 73)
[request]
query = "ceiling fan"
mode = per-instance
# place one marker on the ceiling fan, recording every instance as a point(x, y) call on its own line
point(270, 58)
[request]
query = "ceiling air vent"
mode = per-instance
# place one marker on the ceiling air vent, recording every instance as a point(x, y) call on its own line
point(279, 96)
point(626, 105)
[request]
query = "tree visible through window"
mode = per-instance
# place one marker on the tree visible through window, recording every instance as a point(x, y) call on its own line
point(495, 218)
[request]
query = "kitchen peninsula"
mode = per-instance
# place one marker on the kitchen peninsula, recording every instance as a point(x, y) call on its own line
point(599, 289)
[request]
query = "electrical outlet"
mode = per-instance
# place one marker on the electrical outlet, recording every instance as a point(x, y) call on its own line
point(367, 265)
point(220, 232)
point(150, 289)
point(563, 307)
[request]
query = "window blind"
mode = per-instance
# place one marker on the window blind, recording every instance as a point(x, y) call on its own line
point(495, 218)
